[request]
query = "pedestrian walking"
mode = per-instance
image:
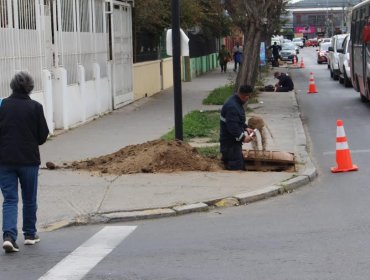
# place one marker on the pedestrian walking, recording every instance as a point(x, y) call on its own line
point(223, 57)
point(234, 130)
point(275, 54)
point(237, 56)
point(22, 129)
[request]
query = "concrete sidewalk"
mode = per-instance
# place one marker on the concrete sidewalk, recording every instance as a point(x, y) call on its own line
point(67, 197)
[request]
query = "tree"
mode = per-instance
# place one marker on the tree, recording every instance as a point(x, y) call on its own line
point(256, 19)
point(152, 17)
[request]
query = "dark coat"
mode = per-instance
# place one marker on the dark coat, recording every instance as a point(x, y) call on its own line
point(232, 122)
point(286, 82)
point(22, 129)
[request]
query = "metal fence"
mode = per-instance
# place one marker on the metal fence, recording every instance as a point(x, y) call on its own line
point(81, 37)
point(43, 34)
point(21, 44)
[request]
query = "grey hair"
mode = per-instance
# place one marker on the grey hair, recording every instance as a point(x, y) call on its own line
point(22, 82)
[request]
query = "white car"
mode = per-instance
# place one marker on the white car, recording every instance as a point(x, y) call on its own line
point(298, 42)
point(333, 63)
point(344, 67)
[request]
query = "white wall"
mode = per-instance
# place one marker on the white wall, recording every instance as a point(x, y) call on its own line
point(73, 105)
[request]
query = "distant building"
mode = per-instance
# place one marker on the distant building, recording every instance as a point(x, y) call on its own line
point(321, 18)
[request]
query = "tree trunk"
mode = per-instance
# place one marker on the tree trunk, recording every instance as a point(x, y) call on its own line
point(249, 69)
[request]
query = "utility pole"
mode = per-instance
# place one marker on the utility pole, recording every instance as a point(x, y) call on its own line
point(176, 56)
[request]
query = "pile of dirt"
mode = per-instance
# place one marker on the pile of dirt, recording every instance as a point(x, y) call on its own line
point(150, 157)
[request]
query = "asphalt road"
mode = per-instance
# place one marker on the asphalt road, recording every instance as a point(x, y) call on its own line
point(321, 231)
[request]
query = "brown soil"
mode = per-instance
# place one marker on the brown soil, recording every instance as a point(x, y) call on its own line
point(150, 157)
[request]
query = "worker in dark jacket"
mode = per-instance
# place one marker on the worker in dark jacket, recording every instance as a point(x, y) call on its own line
point(285, 83)
point(233, 129)
point(22, 129)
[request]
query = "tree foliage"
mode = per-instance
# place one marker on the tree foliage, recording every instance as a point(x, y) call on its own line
point(152, 17)
point(257, 19)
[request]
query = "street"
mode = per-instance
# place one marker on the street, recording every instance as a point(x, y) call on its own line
point(321, 231)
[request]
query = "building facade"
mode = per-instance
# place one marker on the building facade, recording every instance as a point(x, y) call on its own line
point(321, 18)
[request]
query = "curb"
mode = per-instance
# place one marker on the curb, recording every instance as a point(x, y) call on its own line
point(298, 180)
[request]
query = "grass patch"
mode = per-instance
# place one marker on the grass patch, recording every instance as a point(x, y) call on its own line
point(219, 95)
point(199, 124)
point(211, 152)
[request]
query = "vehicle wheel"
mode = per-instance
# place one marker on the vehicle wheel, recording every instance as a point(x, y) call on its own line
point(347, 82)
point(341, 80)
point(335, 77)
point(319, 62)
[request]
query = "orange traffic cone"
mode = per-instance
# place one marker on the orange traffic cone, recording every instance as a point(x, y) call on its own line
point(312, 86)
point(302, 63)
point(343, 157)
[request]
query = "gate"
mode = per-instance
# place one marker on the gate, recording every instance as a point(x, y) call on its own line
point(121, 53)
point(24, 40)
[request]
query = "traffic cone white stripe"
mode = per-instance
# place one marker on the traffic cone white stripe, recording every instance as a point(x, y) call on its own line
point(342, 146)
point(340, 132)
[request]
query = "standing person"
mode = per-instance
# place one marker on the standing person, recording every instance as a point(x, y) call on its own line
point(237, 55)
point(22, 129)
point(223, 57)
point(275, 54)
point(233, 129)
point(285, 83)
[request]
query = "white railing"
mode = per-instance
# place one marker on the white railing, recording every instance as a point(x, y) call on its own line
point(21, 45)
point(81, 37)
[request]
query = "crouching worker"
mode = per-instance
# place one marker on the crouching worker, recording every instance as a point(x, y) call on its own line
point(285, 83)
point(233, 129)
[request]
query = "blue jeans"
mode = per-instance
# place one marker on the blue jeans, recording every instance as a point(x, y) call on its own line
point(27, 176)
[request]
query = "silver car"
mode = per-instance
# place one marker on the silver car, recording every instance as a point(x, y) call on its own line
point(288, 52)
point(344, 66)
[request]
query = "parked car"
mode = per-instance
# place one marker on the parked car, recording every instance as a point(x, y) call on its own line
point(325, 40)
point(312, 43)
point(333, 64)
point(322, 53)
point(288, 52)
point(344, 66)
point(298, 42)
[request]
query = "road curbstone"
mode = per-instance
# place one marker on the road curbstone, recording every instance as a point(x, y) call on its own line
point(138, 215)
point(57, 225)
point(190, 208)
point(249, 197)
point(295, 183)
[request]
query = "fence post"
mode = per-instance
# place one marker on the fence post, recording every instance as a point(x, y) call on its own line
point(82, 89)
point(60, 105)
point(48, 99)
point(187, 69)
point(96, 76)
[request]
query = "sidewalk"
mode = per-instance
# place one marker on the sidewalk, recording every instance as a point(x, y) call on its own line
point(67, 197)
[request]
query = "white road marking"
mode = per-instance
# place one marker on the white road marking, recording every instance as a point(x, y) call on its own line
point(352, 152)
point(76, 265)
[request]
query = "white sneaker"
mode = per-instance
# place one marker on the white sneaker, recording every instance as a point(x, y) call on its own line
point(31, 240)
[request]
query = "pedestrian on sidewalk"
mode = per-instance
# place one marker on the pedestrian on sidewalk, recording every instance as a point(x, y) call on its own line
point(237, 55)
point(275, 54)
point(223, 57)
point(22, 129)
point(285, 83)
point(234, 130)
